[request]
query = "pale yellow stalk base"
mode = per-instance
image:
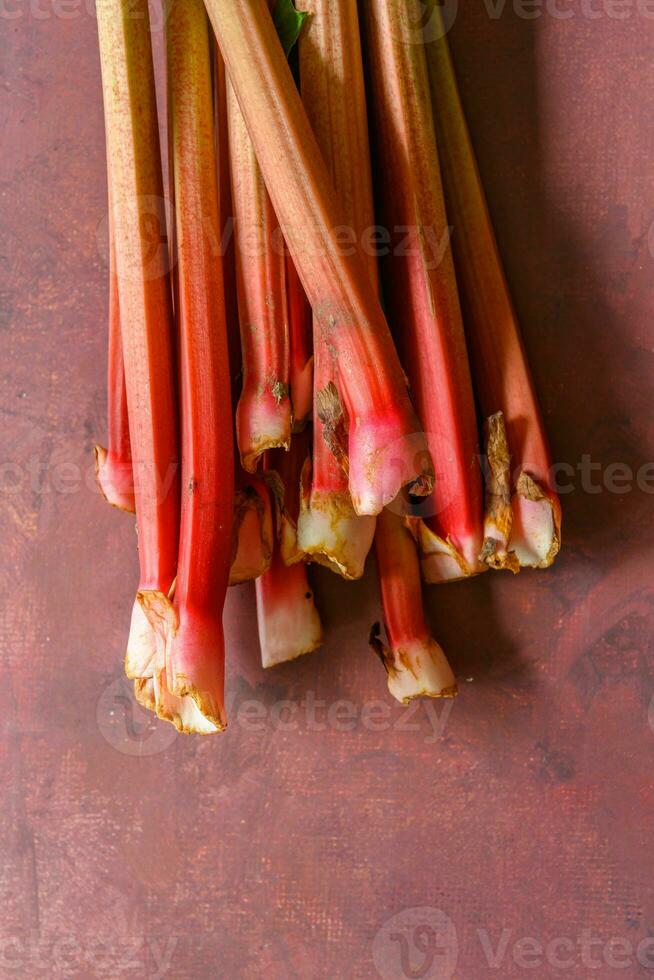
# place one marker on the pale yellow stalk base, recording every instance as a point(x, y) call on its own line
point(330, 532)
point(289, 629)
point(440, 561)
point(190, 710)
point(253, 531)
point(116, 482)
point(521, 529)
point(417, 669)
point(536, 537)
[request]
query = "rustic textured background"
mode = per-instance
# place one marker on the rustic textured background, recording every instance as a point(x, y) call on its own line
point(284, 848)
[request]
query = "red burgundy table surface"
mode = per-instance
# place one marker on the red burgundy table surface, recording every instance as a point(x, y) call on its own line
point(331, 833)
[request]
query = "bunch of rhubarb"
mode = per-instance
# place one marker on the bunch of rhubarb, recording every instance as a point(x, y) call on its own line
point(303, 366)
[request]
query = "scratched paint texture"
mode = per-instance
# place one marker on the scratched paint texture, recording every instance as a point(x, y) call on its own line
point(282, 849)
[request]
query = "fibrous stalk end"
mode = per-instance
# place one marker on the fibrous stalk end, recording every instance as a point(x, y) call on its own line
point(417, 668)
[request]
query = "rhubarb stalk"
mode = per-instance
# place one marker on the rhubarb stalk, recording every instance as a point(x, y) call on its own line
point(289, 624)
point(263, 415)
point(386, 448)
point(331, 78)
point(299, 323)
point(192, 695)
point(420, 285)
point(113, 465)
point(415, 664)
point(501, 373)
point(135, 179)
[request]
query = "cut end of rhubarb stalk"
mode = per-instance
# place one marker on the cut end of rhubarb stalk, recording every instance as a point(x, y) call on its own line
point(195, 671)
point(383, 460)
point(263, 422)
point(521, 529)
point(187, 680)
point(417, 669)
point(289, 624)
point(115, 478)
point(440, 560)
point(536, 536)
point(498, 519)
point(253, 534)
point(182, 712)
point(141, 645)
point(330, 532)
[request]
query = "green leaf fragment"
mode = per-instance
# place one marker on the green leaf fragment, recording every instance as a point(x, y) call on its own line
point(288, 22)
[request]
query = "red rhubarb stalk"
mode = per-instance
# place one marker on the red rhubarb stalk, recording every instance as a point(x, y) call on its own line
point(252, 534)
point(301, 342)
point(501, 373)
point(415, 664)
point(263, 415)
point(134, 161)
point(329, 529)
point(421, 287)
point(386, 448)
point(192, 691)
point(113, 465)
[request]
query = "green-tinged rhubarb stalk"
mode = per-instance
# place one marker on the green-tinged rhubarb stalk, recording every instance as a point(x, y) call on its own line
point(135, 179)
point(113, 465)
point(189, 679)
point(263, 415)
point(421, 289)
point(331, 79)
point(386, 448)
point(415, 664)
point(528, 533)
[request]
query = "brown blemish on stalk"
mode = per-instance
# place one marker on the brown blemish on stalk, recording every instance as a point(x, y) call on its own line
point(330, 413)
point(499, 512)
point(279, 391)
